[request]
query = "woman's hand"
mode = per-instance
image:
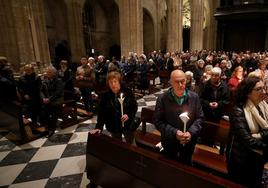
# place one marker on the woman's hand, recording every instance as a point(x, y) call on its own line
point(95, 131)
point(124, 118)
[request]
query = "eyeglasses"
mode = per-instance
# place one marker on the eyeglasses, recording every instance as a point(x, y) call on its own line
point(183, 81)
point(259, 89)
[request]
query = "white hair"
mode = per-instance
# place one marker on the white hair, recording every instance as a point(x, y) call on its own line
point(189, 73)
point(216, 70)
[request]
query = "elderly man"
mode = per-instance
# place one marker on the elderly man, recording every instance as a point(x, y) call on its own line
point(215, 95)
point(178, 142)
point(29, 88)
point(52, 98)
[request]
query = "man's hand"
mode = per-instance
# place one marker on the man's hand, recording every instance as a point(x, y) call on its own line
point(183, 137)
point(95, 131)
point(213, 105)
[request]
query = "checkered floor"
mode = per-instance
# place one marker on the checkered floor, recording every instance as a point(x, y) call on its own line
point(59, 161)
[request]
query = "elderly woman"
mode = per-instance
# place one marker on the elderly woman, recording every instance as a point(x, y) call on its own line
point(110, 113)
point(248, 138)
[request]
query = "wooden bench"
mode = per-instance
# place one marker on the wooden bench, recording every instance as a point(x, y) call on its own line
point(11, 120)
point(205, 155)
point(210, 153)
point(112, 163)
point(68, 112)
point(144, 138)
point(164, 76)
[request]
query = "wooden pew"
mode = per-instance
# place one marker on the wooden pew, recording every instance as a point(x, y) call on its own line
point(11, 119)
point(212, 134)
point(164, 76)
point(204, 156)
point(68, 112)
point(112, 163)
point(142, 137)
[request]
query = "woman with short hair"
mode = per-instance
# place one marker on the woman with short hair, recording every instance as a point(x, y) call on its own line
point(110, 114)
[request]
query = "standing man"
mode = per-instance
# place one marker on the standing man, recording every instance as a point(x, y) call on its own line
point(52, 98)
point(177, 144)
point(85, 80)
point(215, 96)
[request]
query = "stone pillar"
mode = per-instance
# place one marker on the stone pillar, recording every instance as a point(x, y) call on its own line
point(210, 35)
point(266, 38)
point(75, 28)
point(8, 39)
point(197, 21)
point(24, 32)
point(131, 26)
point(174, 23)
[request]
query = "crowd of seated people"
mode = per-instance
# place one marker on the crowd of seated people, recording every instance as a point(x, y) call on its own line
point(90, 75)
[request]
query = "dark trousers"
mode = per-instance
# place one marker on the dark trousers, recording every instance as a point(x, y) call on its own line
point(87, 98)
point(50, 116)
point(32, 109)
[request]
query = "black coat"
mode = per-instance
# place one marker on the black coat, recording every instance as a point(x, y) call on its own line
point(241, 144)
point(30, 85)
point(244, 164)
point(167, 121)
point(52, 89)
point(221, 96)
point(109, 112)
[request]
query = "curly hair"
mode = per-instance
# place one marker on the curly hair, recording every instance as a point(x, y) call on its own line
point(244, 88)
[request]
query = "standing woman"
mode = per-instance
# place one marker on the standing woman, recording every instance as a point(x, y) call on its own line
point(248, 139)
point(109, 112)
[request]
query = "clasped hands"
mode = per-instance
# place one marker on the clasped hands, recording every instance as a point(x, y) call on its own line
point(183, 137)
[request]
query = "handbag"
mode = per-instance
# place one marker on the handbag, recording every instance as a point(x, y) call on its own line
point(135, 123)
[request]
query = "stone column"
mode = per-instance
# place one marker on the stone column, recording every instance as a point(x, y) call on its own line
point(266, 37)
point(174, 24)
point(197, 21)
point(210, 35)
point(39, 38)
point(8, 39)
point(75, 28)
point(131, 26)
point(24, 32)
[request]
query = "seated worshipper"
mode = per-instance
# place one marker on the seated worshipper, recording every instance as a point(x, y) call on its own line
point(110, 113)
point(214, 95)
point(66, 75)
point(174, 107)
point(190, 82)
point(8, 91)
point(29, 89)
point(248, 139)
point(52, 98)
point(237, 77)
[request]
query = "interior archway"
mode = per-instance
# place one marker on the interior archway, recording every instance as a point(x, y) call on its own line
point(148, 32)
point(101, 28)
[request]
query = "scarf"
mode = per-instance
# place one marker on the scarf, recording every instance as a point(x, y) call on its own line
point(254, 119)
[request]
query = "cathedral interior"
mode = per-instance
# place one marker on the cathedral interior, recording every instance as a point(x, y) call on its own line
point(45, 32)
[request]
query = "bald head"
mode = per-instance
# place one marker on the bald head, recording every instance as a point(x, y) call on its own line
point(177, 73)
point(178, 82)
